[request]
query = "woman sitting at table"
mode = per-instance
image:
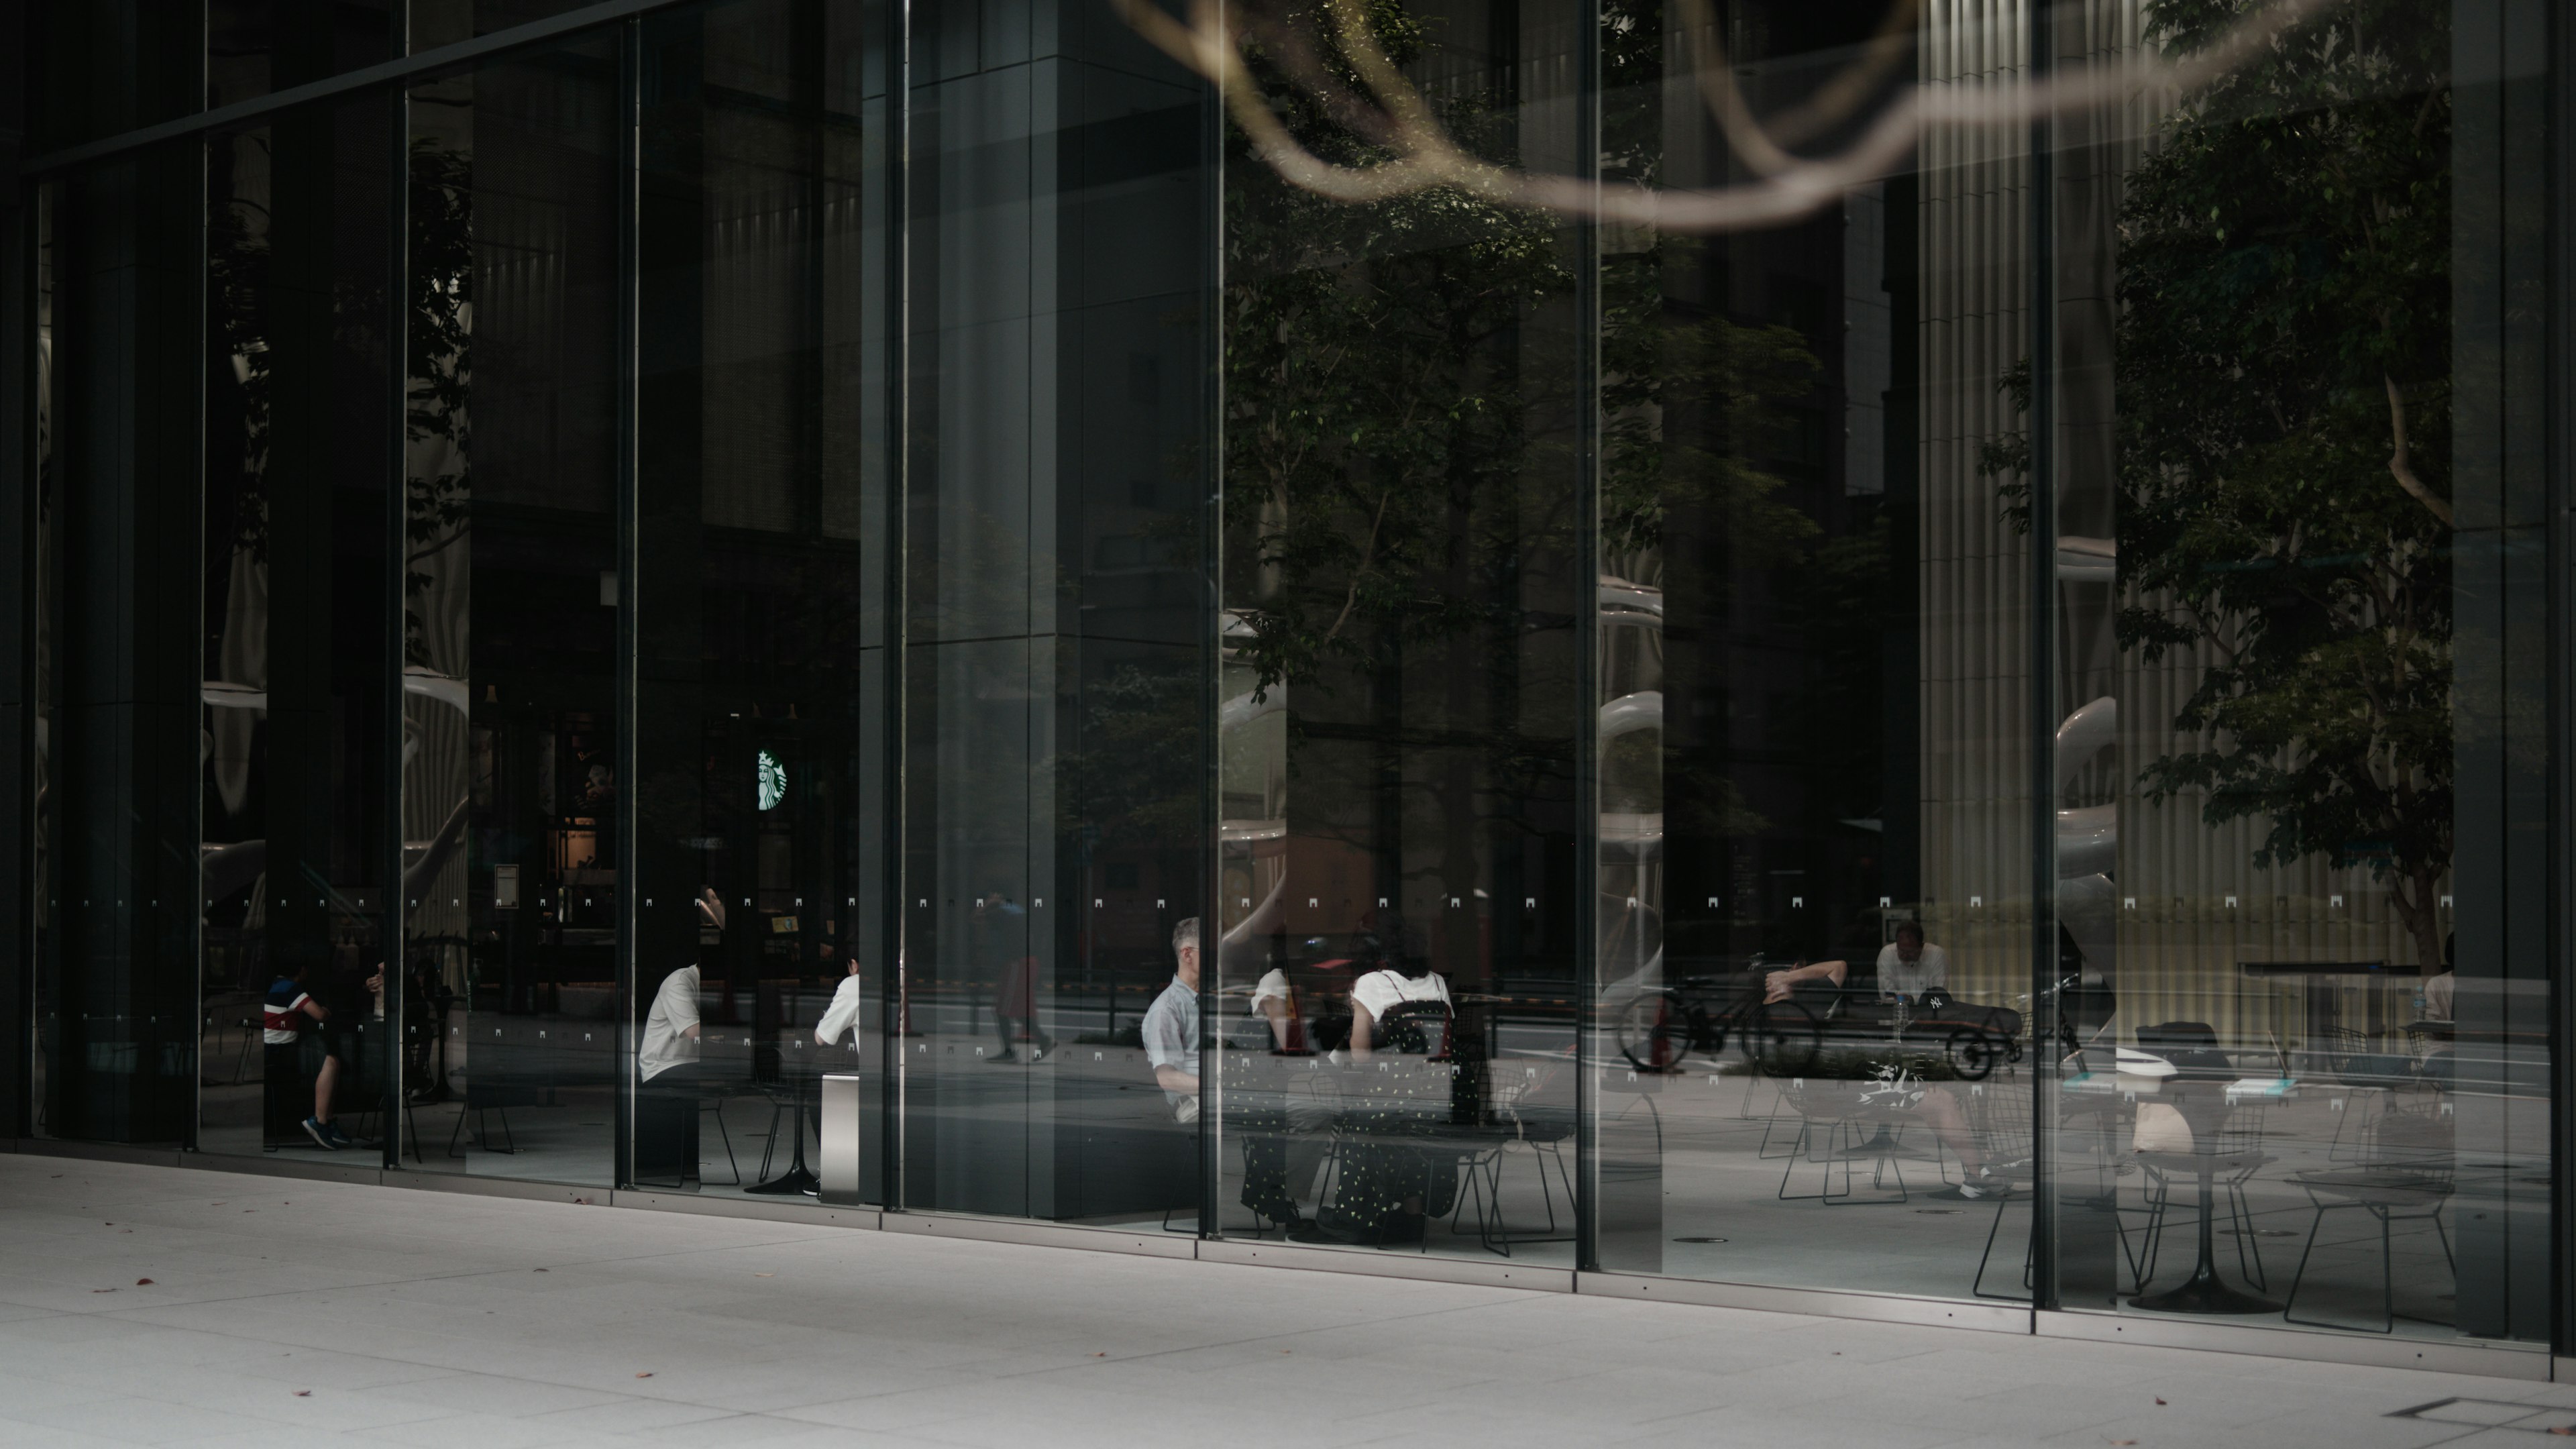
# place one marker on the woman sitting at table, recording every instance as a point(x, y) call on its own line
point(1389, 1188)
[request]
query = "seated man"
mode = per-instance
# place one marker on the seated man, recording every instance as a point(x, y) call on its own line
point(1911, 968)
point(1272, 1165)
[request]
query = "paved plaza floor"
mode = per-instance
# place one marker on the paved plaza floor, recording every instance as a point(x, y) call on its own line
point(151, 1305)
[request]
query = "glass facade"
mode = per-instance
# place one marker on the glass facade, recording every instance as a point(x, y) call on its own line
point(1518, 641)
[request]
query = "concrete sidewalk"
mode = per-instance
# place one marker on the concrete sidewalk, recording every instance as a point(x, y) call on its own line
point(283, 1313)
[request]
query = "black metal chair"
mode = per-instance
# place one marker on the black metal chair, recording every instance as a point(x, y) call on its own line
point(2354, 1061)
point(2406, 1175)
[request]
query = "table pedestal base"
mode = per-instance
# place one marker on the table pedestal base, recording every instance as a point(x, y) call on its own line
point(798, 1178)
point(2204, 1292)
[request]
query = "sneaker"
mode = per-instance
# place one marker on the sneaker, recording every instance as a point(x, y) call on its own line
point(338, 1139)
point(320, 1134)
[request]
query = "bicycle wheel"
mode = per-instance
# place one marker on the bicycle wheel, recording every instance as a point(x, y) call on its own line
point(1654, 1033)
point(1783, 1039)
point(1971, 1054)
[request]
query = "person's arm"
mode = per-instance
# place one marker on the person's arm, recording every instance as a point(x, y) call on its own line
point(1165, 1048)
point(315, 1009)
point(1363, 1030)
point(684, 1009)
point(1778, 985)
point(1274, 1009)
point(841, 1014)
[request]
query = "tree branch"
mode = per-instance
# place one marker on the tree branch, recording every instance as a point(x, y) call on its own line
point(2399, 466)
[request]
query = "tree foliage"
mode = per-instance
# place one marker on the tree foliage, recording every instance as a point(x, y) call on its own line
point(2284, 413)
point(1402, 386)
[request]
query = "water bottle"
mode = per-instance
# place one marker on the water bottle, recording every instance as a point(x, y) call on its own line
point(2419, 1003)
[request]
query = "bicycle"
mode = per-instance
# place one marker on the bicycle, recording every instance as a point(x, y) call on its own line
point(1665, 1024)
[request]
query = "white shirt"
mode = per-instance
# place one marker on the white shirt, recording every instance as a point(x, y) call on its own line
point(1273, 987)
point(1380, 990)
point(2438, 994)
point(841, 1015)
point(667, 1043)
point(1929, 970)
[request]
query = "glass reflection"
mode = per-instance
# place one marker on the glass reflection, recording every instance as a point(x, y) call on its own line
point(293, 732)
point(1811, 981)
point(510, 789)
point(255, 47)
point(2319, 1098)
point(1056, 756)
point(752, 616)
point(1397, 700)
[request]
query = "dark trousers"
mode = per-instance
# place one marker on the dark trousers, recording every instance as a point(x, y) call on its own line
point(666, 1127)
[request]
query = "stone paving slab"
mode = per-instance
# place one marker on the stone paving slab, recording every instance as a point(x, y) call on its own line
point(284, 1313)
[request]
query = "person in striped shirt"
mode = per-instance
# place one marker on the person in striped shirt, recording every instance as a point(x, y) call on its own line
point(289, 1017)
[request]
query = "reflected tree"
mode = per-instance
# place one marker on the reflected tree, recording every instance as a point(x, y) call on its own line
point(2284, 404)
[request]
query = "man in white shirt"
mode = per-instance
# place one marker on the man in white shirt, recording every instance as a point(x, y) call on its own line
point(666, 1071)
point(842, 1014)
point(1909, 967)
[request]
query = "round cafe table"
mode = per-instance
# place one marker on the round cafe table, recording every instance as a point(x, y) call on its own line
point(2205, 1105)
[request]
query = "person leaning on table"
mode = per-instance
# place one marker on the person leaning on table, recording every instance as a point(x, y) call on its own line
point(1908, 967)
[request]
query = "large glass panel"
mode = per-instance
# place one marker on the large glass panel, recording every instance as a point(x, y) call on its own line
point(254, 47)
point(1396, 945)
point(1056, 658)
point(98, 67)
point(1814, 876)
point(293, 610)
point(118, 745)
point(758, 578)
point(2299, 599)
point(510, 787)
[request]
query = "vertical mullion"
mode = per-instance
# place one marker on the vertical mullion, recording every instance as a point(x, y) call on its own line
point(630, 590)
point(1587, 643)
point(2558, 403)
point(396, 954)
point(2041, 619)
point(898, 502)
point(1212, 671)
point(20, 610)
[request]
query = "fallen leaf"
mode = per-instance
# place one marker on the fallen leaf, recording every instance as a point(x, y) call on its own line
point(303, 1393)
point(2124, 1441)
point(102, 1290)
point(139, 1282)
point(643, 1376)
point(764, 1275)
point(541, 1270)
point(2159, 1401)
point(2564, 1432)
point(1103, 1354)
